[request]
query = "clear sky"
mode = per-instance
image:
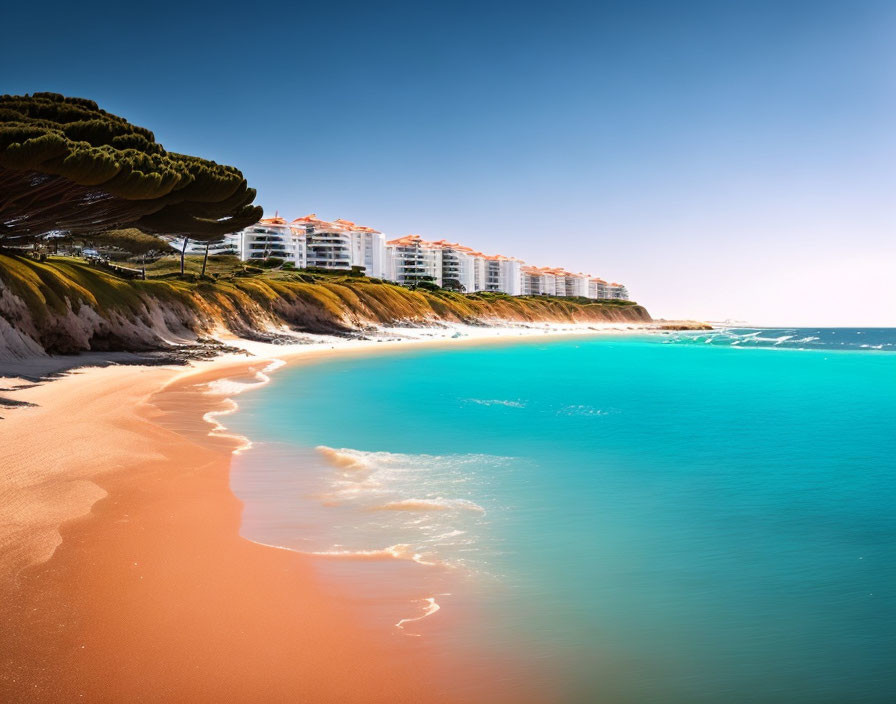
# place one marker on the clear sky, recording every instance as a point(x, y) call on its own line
point(723, 159)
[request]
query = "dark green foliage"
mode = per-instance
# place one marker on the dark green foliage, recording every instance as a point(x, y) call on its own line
point(131, 240)
point(453, 285)
point(66, 165)
point(267, 263)
point(328, 272)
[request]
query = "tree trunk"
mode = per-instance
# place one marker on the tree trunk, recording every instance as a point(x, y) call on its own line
point(183, 253)
point(205, 258)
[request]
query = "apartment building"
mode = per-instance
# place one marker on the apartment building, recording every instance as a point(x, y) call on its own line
point(597, 289)
point(272, 237)
point(326, 244)
point(502, 274)
point(228, 244)
point(311, 242)
point(458, 264)
point(412, 259)
point(617, 291)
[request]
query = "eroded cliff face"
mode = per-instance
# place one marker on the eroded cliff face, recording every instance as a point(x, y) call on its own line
point(63, 307)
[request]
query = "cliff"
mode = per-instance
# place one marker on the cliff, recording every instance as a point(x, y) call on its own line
point(65, 307)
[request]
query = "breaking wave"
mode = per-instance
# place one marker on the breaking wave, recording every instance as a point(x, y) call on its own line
point(232, 387)
point(791, 338)
point(394, 552)
point(344, 459)
point(227, 387)
point(421, 505)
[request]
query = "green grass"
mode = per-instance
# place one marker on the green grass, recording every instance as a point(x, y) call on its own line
point(218, 265)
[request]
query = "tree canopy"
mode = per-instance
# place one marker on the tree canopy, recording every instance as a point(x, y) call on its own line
point(130, 240)
point(68, 166)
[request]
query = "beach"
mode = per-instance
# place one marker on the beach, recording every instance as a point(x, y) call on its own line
point(124, 575)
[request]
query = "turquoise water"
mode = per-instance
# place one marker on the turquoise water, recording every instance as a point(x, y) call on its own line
point(678, 518)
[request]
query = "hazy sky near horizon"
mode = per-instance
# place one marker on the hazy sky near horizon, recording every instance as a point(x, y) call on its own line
point(723, 159)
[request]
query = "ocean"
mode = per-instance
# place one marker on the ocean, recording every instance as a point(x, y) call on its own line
point(672, 518)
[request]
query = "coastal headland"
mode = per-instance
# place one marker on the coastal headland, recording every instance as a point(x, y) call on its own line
point(63, 306)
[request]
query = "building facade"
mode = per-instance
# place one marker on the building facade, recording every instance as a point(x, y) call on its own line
point(412, 260)
point(617, 291)
point(311, 242)
point(457, 266)
point(597, 289)
point(502, 274)
point(327, 246)
point(228, 244)
point(272, 237)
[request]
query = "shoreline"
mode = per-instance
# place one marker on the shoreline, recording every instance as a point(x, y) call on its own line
point(84, 516)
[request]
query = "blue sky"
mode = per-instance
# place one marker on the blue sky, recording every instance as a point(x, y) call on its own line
point(723, 159)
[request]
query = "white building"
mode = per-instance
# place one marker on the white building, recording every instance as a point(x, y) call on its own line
point(617, 291)
point(341, 244)
point(457, 266)
point(272, 237)
point(539, 281)
point(597, 289)
point(228, 244)
point(530, 281)
point(311, 242)
point(502, 274)
point(368, 248)
point(412, 259)
point(575, 285)
point(546, 281)
point(326, 245)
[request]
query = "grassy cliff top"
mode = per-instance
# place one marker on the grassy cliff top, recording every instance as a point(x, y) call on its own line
point(64, 304)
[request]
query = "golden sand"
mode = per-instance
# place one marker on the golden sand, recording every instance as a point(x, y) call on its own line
point(123, 577)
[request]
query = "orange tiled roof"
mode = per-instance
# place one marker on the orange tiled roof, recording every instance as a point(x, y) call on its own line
point(408, 240)
point(311, 219)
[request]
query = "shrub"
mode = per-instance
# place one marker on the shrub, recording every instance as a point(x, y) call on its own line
point(427, 285)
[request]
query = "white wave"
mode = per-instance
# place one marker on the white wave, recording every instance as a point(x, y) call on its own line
point(229, 387)
point(232, 387)
point(402, 551)
point(431, 607)
point(422, 505)
point(219, 429)
point(775, 340)
point(344, 458)
point(581, 410)
point(497, 402)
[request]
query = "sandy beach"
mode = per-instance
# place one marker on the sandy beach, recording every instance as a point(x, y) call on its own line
point(124, 577)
